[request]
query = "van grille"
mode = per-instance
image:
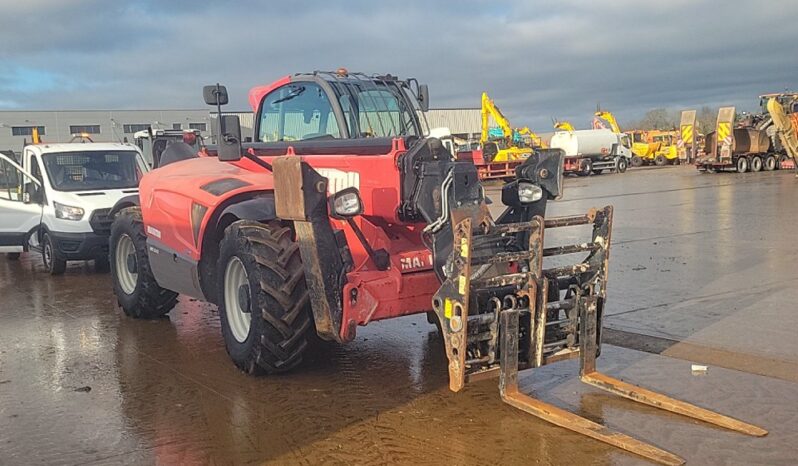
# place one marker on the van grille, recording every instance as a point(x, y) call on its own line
point(101, 221)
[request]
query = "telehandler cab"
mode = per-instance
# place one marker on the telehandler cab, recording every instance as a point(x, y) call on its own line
point(343, 213)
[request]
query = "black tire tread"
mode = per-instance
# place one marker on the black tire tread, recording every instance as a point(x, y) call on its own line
point(57, 265)
point(150, 301)
point(283, 297)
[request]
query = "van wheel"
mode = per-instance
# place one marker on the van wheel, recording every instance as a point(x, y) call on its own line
point(660, 160)
point(742, 165)
point(264, 305)
point(12, 256)
point(52, 263)
point(756, 164)
point(135, 287)
point(770, 163)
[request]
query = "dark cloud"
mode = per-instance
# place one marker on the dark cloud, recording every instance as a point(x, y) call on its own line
point(537, 59)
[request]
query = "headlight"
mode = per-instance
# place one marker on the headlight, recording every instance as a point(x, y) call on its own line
point(68, 212)
point(346, 203)
point(529, 193)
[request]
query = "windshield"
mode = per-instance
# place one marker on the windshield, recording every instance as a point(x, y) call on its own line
point(87, 170)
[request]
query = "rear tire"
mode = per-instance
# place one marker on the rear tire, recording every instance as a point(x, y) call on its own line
point(756, 164)
point(52, 263)
point(742, 165)
point(771, 163)
point(586, 167)
point(637, 161)
point(12, 256)
point(660, 161)
point(135, 287)
point(264, 304)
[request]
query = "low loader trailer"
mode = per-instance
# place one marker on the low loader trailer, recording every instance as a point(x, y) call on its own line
point(331, 221)
point(737, 149)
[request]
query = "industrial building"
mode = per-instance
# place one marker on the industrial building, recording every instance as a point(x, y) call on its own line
point(16, 126)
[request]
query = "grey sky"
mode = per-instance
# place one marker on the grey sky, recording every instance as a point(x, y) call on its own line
point(537, 59)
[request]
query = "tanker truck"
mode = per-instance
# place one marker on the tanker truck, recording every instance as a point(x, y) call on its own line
point(593, 151)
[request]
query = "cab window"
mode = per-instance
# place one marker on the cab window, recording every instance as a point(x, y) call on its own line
point(297, 112)
point(625, 141)
point(34, 168)
point(375, 111)
point(14, 183)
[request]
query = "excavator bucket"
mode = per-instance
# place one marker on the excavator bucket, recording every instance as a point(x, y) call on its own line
point(502, 311)
point(787, 130)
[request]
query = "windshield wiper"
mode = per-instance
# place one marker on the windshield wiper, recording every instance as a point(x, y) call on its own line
point(290, 96)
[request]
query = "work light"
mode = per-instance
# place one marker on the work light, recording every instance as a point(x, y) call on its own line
point(346, 203)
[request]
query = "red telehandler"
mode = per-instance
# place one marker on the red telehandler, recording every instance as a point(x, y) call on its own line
point(341, 212)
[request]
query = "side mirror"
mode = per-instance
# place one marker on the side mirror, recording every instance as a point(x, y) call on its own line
point(423, 97)
point(229, 138)
point(215, 94)
point(32, 194)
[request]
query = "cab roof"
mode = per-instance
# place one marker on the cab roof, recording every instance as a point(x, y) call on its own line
point(45, 148)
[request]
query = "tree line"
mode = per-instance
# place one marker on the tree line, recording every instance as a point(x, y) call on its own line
point(664, 119)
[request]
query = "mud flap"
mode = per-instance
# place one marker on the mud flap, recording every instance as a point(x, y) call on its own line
point(505, 320)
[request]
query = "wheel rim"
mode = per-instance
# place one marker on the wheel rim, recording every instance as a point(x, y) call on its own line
point(236, 304)
point(47, 254)
point(742, 165)
point(770, 163)
point(756, 164)
point(127, 278)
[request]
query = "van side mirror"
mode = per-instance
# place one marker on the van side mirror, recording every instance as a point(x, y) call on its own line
point(423, 97)
point(229, 138)
point(215, 94)
point(32, 194)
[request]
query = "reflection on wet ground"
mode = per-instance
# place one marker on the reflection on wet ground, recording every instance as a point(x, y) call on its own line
point(704, 264)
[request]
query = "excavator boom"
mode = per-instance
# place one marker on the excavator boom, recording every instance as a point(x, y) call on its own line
point(610, 119)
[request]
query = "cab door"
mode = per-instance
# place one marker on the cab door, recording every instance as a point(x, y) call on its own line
point(21, 201)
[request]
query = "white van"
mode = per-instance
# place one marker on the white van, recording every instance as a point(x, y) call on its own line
point(58, 199)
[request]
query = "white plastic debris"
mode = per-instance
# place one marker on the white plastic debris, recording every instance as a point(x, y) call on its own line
point(699, 369)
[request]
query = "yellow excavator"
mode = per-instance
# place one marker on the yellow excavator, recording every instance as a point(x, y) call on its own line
point(504, 144)
point(647, 146)
point(787, 129)
point(564, 126)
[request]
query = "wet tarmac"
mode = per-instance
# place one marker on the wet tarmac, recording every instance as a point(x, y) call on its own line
point(703, 269)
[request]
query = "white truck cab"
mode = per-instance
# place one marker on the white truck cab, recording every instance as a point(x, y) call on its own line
point(57, 199)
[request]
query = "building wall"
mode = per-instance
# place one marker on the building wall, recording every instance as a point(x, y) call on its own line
point(460, 121)
point(113, 123)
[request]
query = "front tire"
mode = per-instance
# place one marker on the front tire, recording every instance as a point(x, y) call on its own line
point(660, 160)
point(637, 161)
point(135, 287)
point(622, 165)
point(264, 304)
point(52, 263)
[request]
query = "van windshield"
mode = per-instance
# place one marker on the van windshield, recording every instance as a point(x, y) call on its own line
point(91, 170)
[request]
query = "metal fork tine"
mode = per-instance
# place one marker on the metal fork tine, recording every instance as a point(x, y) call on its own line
point(508, 386)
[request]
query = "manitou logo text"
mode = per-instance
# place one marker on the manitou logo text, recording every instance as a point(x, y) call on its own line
point(339, 180)
point(415, 262)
